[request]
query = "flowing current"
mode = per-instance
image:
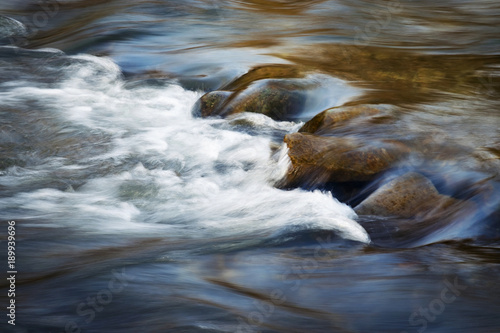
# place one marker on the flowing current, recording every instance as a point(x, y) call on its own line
point(133, 215)
point(157, 169)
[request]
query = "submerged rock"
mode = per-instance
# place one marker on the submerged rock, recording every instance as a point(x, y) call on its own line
point(396, 76)
point(336, 116)
point(407, 196)
point(317, 160)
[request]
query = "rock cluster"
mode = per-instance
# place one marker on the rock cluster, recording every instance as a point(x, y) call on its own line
point(341, 146)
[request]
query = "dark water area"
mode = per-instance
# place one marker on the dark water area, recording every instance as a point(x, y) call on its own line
point(133, 215)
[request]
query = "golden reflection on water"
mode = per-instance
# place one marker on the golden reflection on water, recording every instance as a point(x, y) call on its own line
point(398, 76)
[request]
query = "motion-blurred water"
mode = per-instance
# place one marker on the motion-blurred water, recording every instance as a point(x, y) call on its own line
point(112, 181)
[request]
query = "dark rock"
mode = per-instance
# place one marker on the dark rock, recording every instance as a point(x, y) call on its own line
point(407, 196)
point(317, 160)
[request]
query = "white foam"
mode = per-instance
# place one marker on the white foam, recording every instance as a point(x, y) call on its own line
point(205, 180)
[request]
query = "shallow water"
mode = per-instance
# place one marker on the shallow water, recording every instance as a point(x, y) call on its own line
point(173, 223)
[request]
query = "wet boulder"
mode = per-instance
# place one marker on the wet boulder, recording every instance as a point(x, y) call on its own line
point(407, 196)
point(277, 99)
point(317, 160)
point(268, 89)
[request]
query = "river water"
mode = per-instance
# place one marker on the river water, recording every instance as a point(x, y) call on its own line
point(134, 216)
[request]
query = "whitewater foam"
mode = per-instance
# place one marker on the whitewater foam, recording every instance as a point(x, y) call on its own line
point(163, 171)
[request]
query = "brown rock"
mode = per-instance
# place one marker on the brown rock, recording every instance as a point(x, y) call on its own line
point(407, 196)
point(317, 160)
point(272, 90)
point(277, 99)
